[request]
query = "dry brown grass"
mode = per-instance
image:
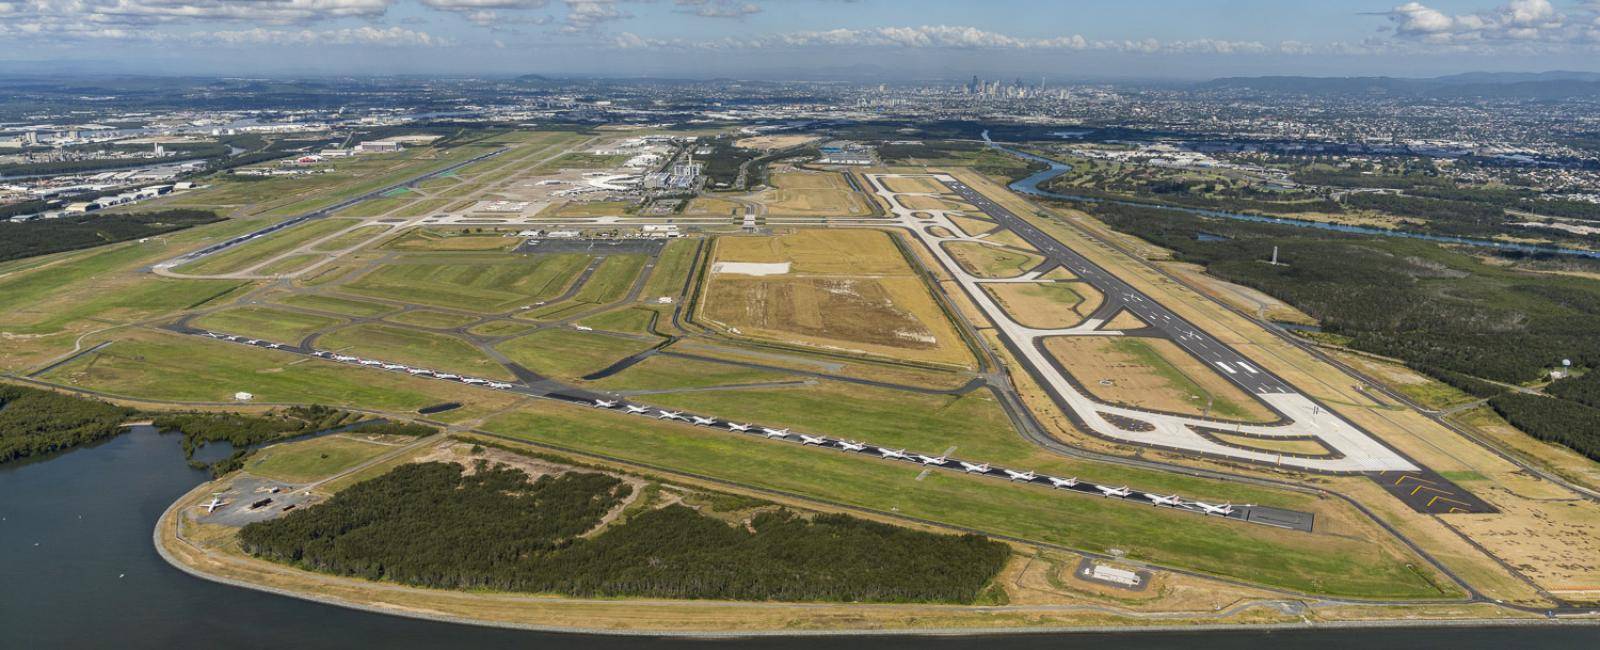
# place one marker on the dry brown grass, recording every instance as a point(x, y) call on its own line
point(973, 227)
point(1124, 320)
point(847, 290)
point(993, 262)
point(1046, 305)
point(916, 184)
point(772, 142)
point(1553, 542)
point(1152, 374)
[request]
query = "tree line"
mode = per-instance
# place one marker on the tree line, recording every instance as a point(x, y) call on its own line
point(46, 236)
point(430, 525)
point(1559, 421)
point(34, 421)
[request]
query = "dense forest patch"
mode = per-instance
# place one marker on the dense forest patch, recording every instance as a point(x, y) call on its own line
point(429, 524)
point(45, 236)
point(34, 421)
point(244, 431)
point(1553, 420)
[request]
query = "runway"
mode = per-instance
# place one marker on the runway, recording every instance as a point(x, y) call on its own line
point(1351, 450)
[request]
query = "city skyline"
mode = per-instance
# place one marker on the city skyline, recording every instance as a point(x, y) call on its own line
point(850, 39)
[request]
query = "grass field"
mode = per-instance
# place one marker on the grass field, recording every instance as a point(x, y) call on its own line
point(1316, 563)
point(308, 460)
point(485, 283)
point(915, 184)
point(1152, 374)
point(612, 280)
point(628, 320)
point(249, 254)
point(661, 372)
point(1046, 305)
point(992, 262)
point(349, 239)
point(672, 269)
point(413, 348)
point(846, 290)
point(973, 227)
point(290, 264)
point(805, 194)
point(501, 328)
point(376, 207)
point(337, 305)
point(420, 239)
point(570, 354)
point(584, 161)
point(434, 319)
point(278, 325)
point(708, 207)
point(589, 209)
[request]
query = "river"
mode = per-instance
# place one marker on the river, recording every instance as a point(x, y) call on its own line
point(78, 571)
point(1031, 186)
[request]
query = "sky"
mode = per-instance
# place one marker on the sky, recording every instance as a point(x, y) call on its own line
point(889, 40)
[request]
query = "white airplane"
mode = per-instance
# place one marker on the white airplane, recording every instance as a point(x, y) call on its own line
point(1020, 476)
point(393, 366)
point(343, 357)
point(420, 371)
point(851, 445)
point(812, 440)
point(893, 453)
point(232, 338)
point(668, 415)
point(932, 460)
point(581, 328)
point(499, 384)
point(1114, 491)
point(774, 433)
point(1159, 500)
point(251, 342)
point(637, 409)
point(274, 346)
point(703, 421)
point(982, 468)
point(213, 505)
point(1063, 482)
point(369, 362)
point(738, 427)
point(473, 380)
point(1224, 509)
point(446, 375)
point(600, 403)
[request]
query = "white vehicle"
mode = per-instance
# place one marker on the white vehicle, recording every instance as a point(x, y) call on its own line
point(1020, 476)
point(669, 415)
point(499, 384)
point(774, 433)
point(1171, 500)
point(1224, 509)
point(738, 427)
point(420, 371)
point(980, 468)
point(581, 328)
point(637, 409)
point(851, 445)
point(600, 403)
point(893, 453)
point(932, 460)
point(705, 422)
point(393, 366)
point(213, 504)
point(812, 440)
point(1063, 482)
point(1114, 491)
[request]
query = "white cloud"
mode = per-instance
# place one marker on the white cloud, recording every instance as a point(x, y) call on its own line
point(719, 8)
point(1518, 20)
point(586, 15)
point(365, 36)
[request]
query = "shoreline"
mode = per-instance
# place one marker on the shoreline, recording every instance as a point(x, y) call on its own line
point(167, 522)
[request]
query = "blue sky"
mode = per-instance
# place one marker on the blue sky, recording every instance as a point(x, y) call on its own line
point(893, 39)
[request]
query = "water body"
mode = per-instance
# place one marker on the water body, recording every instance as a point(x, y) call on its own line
point(1031, 186)
point(78, 571)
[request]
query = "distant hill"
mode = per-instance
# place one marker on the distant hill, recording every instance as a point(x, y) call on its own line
point(1527, 85)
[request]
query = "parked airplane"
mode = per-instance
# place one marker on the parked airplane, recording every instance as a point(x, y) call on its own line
point(774, 433)
point(668, 415)
point(1063, 482)
point(1020, 476)
point(738, 427)
point(1114, 491)
point(446, 375)
point(393, 366)
point(812, 440)
point(274, 346)
point(605, 404)
point(982, 468)
point(499, 384)
point(369, 362)
point(1159, 500)
point(213, 504)
point(341, 357)
point(473, 380)
point(1224, 509)
point(703, 421)
point(851, 445)
point(637, 409)
point(420, 371)
point(893, 453)
point(932, 460)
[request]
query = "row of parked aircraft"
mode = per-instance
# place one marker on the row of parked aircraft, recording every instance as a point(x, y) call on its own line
point(371, 363)
point(1108, 491)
